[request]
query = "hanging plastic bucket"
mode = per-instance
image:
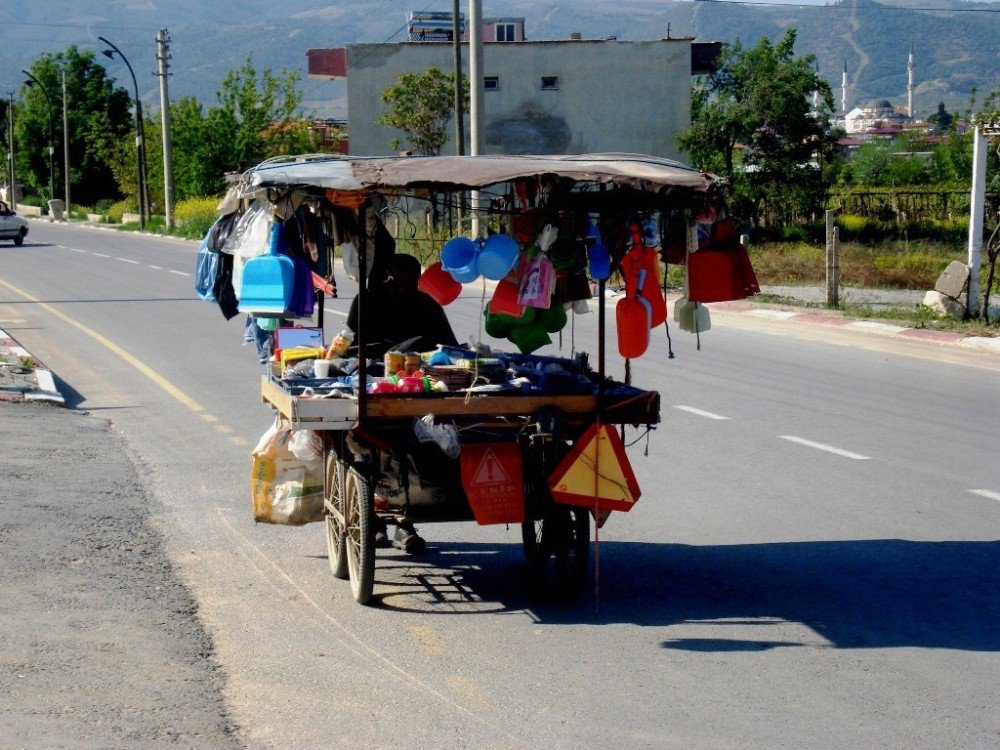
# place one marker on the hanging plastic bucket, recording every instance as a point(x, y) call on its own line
point(553, 319)
point(498, 256)
point(458, 257)
point(499, 325)
point(439, 284)
point(530, 337)
point(504, 300)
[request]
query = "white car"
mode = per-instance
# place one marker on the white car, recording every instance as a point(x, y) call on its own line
point(12, 226)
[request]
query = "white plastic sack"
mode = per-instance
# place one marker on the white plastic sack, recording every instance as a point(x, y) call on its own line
point(352, 264)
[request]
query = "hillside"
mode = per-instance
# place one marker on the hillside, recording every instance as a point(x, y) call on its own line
point(954, 51)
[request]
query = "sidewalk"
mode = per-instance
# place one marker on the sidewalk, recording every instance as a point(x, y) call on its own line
point(23, 377)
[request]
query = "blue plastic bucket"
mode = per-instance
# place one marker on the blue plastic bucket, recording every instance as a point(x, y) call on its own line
point(498, 256)
point(458, 257)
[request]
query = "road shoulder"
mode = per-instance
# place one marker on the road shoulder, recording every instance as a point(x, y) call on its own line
point(100, 642)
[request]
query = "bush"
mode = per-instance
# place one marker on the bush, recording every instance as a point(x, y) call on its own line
point(195, 216)
point(32, 200)
point(102, 206)
point(115, 210)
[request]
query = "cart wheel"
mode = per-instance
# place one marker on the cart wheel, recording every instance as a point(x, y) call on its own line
point(359, 513)
point(563, 533)
point(573, 551)
point(336, 542)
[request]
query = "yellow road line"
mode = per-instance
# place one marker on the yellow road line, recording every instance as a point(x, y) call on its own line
point(145, 369)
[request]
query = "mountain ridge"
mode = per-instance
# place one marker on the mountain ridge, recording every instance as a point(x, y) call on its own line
point(955, 51)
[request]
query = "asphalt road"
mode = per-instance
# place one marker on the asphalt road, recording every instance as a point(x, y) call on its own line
point(814, 562)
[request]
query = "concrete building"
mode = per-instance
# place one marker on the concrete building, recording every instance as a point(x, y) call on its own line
point(878, 114)
point(555, 97)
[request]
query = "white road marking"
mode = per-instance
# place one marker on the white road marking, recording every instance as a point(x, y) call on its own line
point(158, 268)
point(778, 314)
point(180, 273)
point(871, 325)
point(128, 260)
point(337, 312)
point(102, 255)
point(989, 494)
point(76, 250)
point(699, 412)
point(824, 447)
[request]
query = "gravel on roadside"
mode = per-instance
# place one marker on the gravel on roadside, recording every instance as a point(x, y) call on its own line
point(100, 644)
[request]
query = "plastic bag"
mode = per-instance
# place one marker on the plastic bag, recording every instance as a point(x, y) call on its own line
point(285, 488)
point(249, 238)
point(537, 283)
point(445, 435)
point(352, 265)
point(306, 445)
point(206, 270)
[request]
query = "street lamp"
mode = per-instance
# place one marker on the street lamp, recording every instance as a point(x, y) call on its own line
point(139, 140)
point(30, 83)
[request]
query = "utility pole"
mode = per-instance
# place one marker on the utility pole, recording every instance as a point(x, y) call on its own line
point(163, 71)
point(475, 95)
point(10, 152)
point(456, 37)
point(976, 215)
point(65, 104)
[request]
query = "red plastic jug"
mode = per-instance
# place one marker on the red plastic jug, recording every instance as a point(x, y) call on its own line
point(634, 317)
point(644, 258)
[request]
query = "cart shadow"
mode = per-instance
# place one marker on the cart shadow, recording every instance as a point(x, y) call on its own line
point(856, 594)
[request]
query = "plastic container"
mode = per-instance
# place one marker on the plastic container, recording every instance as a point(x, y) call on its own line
point(554, 319)
point(633, 316)
point(497, 256)
point(504, 300)
point(340, 344)
point(439, 284)
point(459, 257)
point(530, 337)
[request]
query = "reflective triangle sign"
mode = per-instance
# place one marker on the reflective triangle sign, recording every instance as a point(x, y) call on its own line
point(596, 473)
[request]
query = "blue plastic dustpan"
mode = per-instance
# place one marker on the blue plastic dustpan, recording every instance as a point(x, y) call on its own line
point(268, 280)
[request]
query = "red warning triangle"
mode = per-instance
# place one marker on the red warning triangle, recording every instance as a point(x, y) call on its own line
point(596, 473)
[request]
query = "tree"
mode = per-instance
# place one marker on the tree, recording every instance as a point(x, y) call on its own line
point(99, 116)
point(751, 121)
point(422, 105)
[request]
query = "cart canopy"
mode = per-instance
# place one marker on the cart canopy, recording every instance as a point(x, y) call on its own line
point(647, 173)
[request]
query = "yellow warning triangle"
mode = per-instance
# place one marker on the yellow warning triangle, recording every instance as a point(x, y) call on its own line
point(596, 472)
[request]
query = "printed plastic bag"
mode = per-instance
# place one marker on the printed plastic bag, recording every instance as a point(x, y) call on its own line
point(285, 488)
point(537, 283)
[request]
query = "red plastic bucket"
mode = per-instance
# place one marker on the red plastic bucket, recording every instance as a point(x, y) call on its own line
point(439, 284)
point(504, 299)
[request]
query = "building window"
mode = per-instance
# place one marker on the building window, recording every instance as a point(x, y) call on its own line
point(550, 83)
point(491, 83)
point(505, 32)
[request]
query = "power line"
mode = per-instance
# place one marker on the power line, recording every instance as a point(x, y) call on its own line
point(108, 25)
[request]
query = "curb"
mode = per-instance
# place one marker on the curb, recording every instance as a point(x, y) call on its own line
point(980, 343)
point(39, 386)
point(112, 228)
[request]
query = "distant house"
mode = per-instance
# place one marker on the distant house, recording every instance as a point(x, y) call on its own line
point(559, 97)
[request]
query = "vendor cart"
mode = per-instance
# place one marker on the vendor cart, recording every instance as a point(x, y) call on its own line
point(377, 467)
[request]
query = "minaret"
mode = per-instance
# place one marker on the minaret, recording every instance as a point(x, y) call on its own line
point(843, 89)
point(910, 69)
point(816, 94)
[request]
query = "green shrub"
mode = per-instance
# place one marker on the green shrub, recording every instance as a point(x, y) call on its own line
point(115, 210)
point(193, 217)
point(102, 206)
point(32, 200)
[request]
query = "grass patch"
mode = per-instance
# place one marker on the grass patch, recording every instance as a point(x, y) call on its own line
point(887, 265)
